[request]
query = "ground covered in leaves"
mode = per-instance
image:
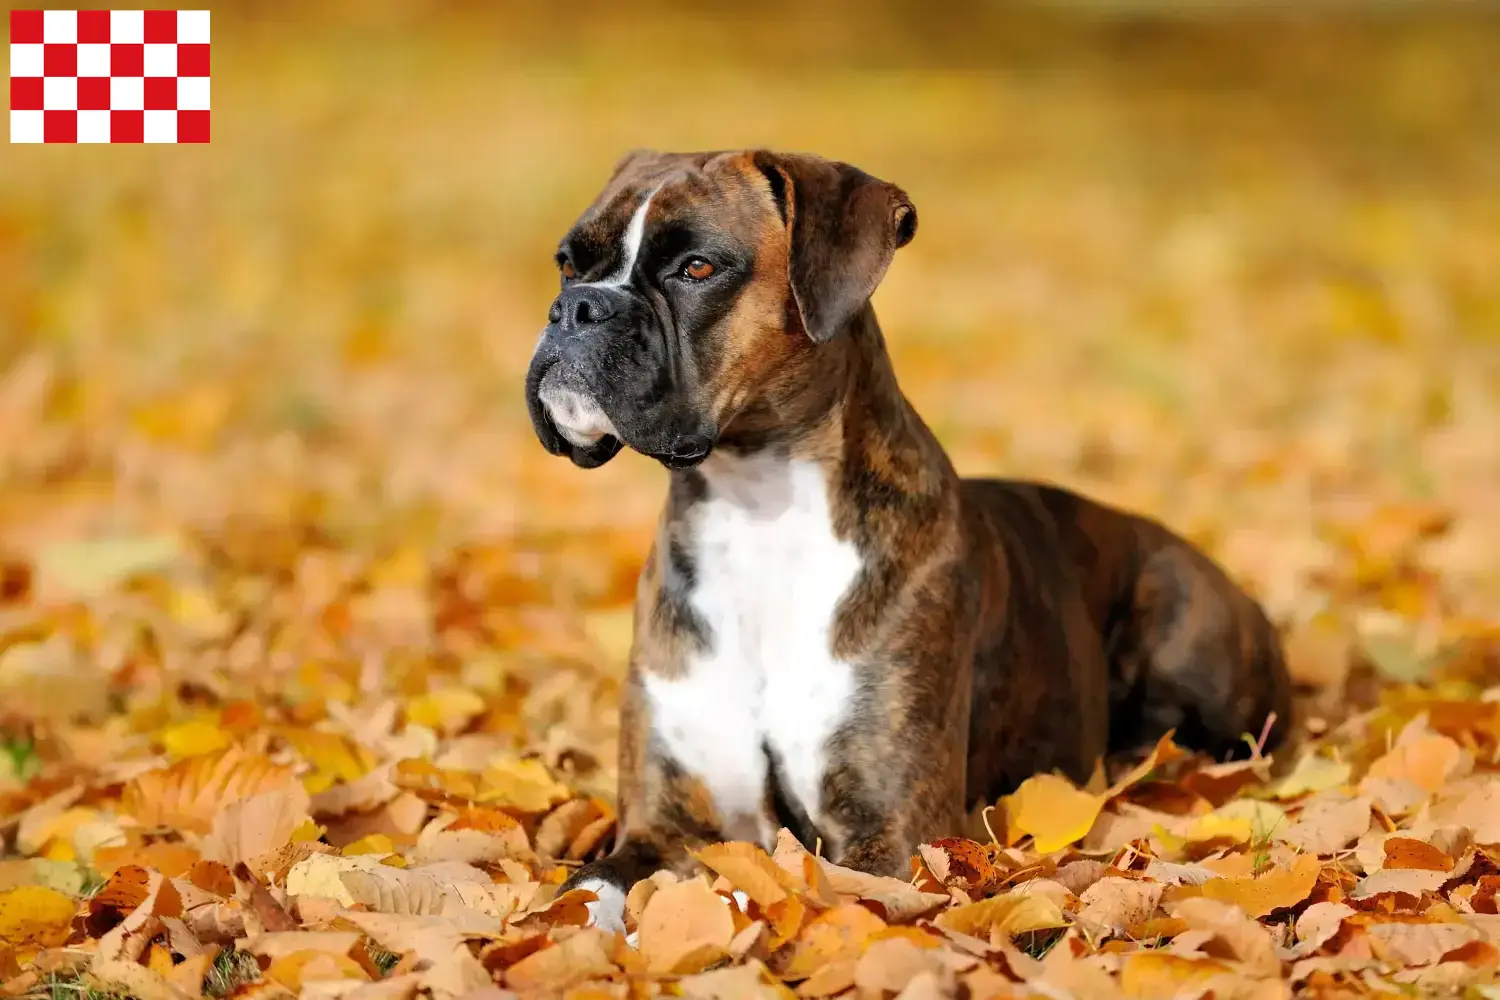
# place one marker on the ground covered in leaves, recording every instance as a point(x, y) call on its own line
point(309, 655)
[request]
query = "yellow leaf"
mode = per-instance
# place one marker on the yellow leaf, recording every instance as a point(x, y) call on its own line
point(1011, 914)
point(94, 566)
point(194, 738)
point(334, 758)
point(1313, 773)
point(524, 785)
point(35, 916)
point(1052, 810)
point(1161, 974)
point(1276, 889)
point(375, 843)
point(447, 710)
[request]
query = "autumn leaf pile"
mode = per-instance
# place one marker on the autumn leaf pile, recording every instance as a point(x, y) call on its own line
point(310, 656)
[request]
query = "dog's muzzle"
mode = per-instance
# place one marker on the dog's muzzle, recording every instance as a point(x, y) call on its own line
point(599, 378)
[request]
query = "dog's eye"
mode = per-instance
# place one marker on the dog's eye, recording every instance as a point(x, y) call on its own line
point(567, 269)
point(698, 269)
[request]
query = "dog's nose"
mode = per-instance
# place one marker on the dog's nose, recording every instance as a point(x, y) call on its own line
point(581, 307)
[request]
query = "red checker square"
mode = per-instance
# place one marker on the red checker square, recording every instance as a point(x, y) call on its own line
point(93, 27)
point(93, 93)
point(127, 126)
point(59, 126)
point(192, 126)
point(26, 93)
point(161, 93)
point(60, 60)
point(26, 27)
point(192, 59)
point(127, 60)
point(161, 26)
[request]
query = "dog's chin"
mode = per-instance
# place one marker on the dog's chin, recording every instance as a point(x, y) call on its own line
point(594, 455)
point(680, 462)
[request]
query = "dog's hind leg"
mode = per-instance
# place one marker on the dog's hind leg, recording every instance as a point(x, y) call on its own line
point(1197, 654)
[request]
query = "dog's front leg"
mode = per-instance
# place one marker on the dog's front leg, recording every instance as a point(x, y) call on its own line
point(895, 773)
point(666, 810)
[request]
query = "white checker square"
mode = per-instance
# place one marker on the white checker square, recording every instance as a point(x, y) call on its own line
point(60, 93)
point(93, 126)
point(25, 59)
point(127, 26)
point(60, 27)
point(192, 93)
point(192, 27)
point(127, 93)
point(161, 59)
point(160, 126)
point(93, 60)
point(26, 126)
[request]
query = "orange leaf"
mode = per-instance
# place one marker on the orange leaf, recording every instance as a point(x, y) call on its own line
point(1259, 895)
point(191, 793)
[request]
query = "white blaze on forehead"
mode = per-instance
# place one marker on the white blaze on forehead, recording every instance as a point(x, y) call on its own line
point(630, 245)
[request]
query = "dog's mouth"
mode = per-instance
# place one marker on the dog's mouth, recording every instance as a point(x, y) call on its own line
point(571, 420)
point(684, 455)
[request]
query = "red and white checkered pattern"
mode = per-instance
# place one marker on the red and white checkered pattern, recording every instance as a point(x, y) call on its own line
point(109, 76)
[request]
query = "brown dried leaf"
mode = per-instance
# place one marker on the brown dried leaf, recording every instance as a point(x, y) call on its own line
point(189, 794)
point(1328, 825)
point(685, 928)
point(1118, 904)
point(1418, 943)
point(749, 869)
point(574, 960)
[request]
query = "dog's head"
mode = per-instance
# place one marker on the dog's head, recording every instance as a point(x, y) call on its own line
point(694, 283)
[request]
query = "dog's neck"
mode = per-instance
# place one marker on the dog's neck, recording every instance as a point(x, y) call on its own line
point(845, 414)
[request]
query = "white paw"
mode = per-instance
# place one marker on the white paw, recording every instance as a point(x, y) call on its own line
point(608, 911)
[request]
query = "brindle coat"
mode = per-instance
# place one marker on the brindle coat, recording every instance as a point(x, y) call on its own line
point(998, 628)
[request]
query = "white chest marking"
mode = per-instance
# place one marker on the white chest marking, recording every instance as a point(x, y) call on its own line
point(769, 574)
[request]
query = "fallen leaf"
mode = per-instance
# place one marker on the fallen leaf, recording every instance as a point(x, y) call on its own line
point(830, 938)
point(1404, 852)
point(1418, 943)
point(190, 794)
point(749, 869)
point(572, 961)
point(1002, 916)
point(1328, 825)
point(1426, 761)
point(33, 916)
point(1276, 889)
point(960, 863)
point(1317, 925)
point(685, 928)
point(1118, 904)
point(90, 567)
point(249, 827)
point(1411, 881)
point(1052, 811)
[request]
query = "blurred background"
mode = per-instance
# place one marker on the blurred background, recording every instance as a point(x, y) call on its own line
point(1237, 266)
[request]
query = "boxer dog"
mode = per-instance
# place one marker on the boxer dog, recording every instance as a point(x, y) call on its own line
point(833, 631)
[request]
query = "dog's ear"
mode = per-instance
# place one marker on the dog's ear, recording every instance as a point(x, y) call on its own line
point(843, 227)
